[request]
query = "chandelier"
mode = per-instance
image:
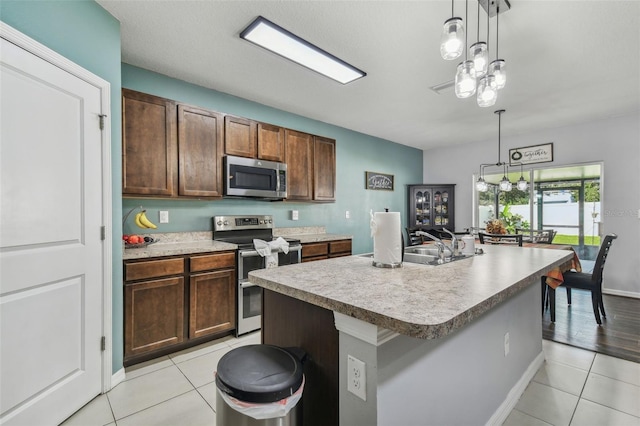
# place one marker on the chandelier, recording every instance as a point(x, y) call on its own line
point(505, 184)
point(475, 75)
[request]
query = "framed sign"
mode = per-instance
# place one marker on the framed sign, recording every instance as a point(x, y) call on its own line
point(378, 181)
point(531, 154)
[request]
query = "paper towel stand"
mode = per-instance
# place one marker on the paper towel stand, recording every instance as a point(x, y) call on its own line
point(391, 265)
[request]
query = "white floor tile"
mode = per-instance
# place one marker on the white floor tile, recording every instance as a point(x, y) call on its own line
point(95, 413)
point(202, 349)
point(254, 338)
point(612, 393)
point(518, 418)
point(188, 409)
point(547, 404)
point(147, 367)
point(200, 370)
point(616, 368)
point(566, 354)
point(562, 376)
point(589, 413)
point(145, 391)
point(208, 392)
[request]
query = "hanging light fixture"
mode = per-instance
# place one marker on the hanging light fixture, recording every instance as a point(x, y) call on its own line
point(465, 81)
point(451, 41)
point(505, 184)
point(479, 51)
point(498, 67)
point(487, 90)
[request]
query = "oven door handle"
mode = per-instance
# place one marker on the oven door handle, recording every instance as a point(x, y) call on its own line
point(247, 284)
point(254, 253)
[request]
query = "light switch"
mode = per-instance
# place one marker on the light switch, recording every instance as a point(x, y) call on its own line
point(164, 216)
point(294, 214)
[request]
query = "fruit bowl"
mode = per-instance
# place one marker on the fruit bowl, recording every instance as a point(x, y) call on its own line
point(130, 244)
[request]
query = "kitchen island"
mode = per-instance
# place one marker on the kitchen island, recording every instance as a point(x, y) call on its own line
point(449, 344)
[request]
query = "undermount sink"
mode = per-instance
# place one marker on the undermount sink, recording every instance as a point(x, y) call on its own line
point(425, 255)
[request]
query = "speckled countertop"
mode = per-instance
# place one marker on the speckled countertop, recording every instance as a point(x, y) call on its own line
point(421, 301)
point(176, 243)
point(310, 234)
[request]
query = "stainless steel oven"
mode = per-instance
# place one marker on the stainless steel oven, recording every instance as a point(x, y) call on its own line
point(242, 230)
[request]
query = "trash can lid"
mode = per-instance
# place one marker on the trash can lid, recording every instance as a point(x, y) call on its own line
point(259, 373)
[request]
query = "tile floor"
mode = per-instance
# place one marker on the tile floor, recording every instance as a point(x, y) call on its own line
point(573, 387)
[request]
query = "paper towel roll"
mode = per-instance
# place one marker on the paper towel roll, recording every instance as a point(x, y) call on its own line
point(387, 239)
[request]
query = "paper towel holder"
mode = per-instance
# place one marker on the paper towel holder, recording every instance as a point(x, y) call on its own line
point(394, 264)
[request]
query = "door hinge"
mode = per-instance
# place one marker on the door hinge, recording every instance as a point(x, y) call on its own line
point(102, 116)
point(103, 343)
point(103, 232)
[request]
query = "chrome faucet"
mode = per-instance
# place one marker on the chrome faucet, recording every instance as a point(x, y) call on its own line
point(454, 242)
point(439, 243)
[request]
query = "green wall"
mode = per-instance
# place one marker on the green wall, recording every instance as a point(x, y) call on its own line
point(355, 152)
point(86, 34)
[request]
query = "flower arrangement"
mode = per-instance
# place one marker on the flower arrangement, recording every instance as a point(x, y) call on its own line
point(496, 226)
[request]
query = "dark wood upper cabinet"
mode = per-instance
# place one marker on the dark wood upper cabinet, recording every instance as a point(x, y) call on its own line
point(270, 142)
point(299, 159)
point(324, 179)
point(200, 139)
point(240, 136)
point(148, 145)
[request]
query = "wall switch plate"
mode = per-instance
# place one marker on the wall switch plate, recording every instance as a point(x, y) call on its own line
point(347, 214)
point(294, 214)
point(164, 216)
point(356, 377)
point(506, 344)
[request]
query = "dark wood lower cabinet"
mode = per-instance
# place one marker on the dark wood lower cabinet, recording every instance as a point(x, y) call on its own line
point(288, 322)
point(212, 303)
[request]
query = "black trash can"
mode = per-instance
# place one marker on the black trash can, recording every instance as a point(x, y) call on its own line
point(259, 385)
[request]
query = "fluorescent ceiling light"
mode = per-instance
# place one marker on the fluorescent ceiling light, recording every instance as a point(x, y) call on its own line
point(270, 36)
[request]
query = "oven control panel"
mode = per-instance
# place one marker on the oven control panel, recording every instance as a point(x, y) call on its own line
point(233, 223)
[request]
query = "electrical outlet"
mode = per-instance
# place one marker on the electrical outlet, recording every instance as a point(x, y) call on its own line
point(347, 214)
point(356, 377)
point(506, 344)
point(294, 215)
point(164, 216)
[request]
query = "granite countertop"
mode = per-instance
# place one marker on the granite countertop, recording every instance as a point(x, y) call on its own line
point(310, 234)
point(176, 243)
point(421, 301)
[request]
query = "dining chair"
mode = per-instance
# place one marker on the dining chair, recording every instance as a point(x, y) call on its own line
point(505, 239)
point(543, 236)
point(591, 281)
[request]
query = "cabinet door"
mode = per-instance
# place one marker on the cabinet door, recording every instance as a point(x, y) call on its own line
point(270, 142)
point(200, 152)
point(148, 145)
point(212, 303)
point(153, 315)
point(324, 181)
point(299, 159)
point(240, 136)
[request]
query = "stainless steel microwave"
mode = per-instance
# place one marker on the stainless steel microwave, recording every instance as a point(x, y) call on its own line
point(249, 177)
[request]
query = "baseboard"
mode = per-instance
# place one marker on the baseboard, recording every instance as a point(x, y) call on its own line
point(117, 378)
point(503, 411)
point(623, 293)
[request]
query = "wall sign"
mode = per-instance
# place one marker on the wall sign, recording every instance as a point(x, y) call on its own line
point(378, 181)
point(531, 154)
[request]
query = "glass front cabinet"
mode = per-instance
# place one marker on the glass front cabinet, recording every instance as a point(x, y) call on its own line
point(431, 207)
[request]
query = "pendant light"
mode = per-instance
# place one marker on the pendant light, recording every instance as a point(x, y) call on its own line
point(465, 81)
point(479, 51)
point(498, 67)
point(452, 39)
point(522, 184)
point(487, 89)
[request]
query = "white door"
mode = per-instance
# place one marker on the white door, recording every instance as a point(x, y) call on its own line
point(50, 240)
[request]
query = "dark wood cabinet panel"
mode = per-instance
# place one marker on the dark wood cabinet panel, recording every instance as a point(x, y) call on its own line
point(299, 159)
point(324, 180)
point(153, 269)
point(288, 322)
point(314, 250)
point(212, 303)
point(240, 136)
point(154, 315)
point(212, 261)
point(148, 144)
point(270, 142)
point(340, 248)
point(200, 140)
point(325, 250)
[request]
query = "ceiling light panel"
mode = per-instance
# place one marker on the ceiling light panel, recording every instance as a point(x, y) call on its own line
point(276, 39)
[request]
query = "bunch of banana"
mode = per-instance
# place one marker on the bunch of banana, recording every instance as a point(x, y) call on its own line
point(143, 222)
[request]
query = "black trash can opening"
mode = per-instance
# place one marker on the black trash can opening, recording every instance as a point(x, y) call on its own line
point(259, 373)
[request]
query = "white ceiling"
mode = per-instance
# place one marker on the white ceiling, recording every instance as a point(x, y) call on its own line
point(568, 61)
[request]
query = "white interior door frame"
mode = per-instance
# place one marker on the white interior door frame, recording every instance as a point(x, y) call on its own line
point(21, 40)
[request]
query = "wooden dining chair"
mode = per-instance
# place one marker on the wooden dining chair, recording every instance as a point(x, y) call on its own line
point(591, 281)
point(505, 239)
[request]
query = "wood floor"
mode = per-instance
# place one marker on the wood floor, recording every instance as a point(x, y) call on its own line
point(575, 325)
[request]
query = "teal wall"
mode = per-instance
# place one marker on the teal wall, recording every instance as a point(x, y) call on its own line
point(86, 34)
point(355, 152)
